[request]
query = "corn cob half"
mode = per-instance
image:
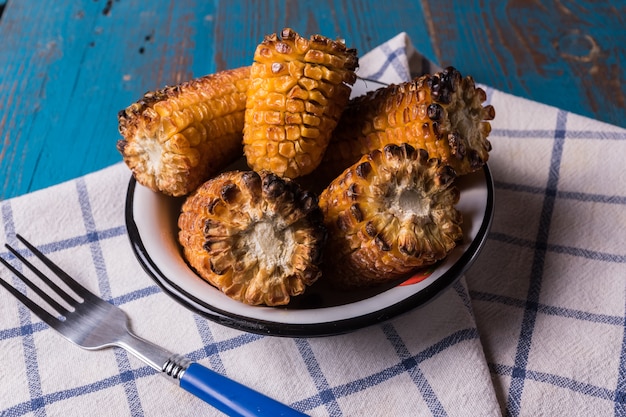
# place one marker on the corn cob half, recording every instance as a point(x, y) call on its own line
point(176, 138)
point(441, 113)
point(298, 89)
point(389, 214)
point(255, 236)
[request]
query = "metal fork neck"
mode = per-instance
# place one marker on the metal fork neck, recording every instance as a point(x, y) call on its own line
point(176, 366)
point(170, 365)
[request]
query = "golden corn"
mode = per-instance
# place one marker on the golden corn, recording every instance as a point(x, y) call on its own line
point(255, 236)
point(441, 113)
point(387, 215)
point(176, 138)
point(298, 89)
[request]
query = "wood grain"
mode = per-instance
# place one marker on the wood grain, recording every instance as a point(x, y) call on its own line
point(569, 54)
point(67, 67)
point(73, 65)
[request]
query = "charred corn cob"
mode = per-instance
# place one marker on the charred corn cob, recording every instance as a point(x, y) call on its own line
point(176, 138)
point(389, 214)
point(255, 236)
point(441, 113)
point(298, 89)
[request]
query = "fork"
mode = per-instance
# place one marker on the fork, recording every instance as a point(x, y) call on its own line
point(93, 323)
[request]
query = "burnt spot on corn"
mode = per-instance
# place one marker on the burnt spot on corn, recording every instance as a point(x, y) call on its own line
point(408, 245)
point(214, 268)
point(370, 229)
point(308, 201)
point(356, 212)
point(363, 169)
point(437, 130)
point(121, 145)
point(408, 150)
point(273, 186)
point(434, 111)
point(394, 151)
point(422, 155)
point(382, 244)
point(488, 112)
point(229, 192)
point(205, 231)
point(211, 204)
point(446, 84)
point(475, 159)
point(446, 175)
point(251, 181)
point(352, 192)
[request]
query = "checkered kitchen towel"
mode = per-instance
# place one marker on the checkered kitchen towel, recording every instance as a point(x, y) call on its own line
point(535, 328)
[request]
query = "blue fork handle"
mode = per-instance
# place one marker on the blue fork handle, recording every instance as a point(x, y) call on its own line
point(231, 397)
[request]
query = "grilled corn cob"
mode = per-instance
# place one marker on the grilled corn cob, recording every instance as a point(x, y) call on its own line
point(389, 214)
point(176, 138)
point(255, 236)
point(298, 89)
point(441, 113)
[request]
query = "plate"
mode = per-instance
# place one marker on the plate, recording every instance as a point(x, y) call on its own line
point(151, 220)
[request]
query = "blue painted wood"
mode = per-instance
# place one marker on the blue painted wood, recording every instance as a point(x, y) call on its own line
point(71, 66)
point(67, 67)
point(570, 54)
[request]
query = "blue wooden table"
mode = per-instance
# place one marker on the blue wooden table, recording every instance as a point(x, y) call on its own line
point(68, 67)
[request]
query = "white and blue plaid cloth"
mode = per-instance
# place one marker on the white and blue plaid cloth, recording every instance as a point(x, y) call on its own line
point(535, 328)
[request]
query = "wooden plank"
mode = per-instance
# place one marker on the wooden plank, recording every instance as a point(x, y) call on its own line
point(569, 54)
point(240, 26)
point(72, 66)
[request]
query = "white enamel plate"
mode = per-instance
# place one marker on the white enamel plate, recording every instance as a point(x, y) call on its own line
point(151, 220)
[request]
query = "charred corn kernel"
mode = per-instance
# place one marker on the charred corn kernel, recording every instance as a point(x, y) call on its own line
point(298, 89)
point(176, 138)
point(441, 113)
point(389, 214)
point(255, 236)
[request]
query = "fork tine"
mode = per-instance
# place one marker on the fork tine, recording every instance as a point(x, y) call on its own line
point(53, 303)
point(65, 277)
point(38, 311)
point(58, 290)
